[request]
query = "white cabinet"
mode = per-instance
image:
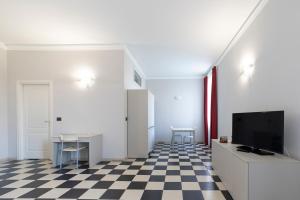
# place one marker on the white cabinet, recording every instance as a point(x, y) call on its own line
point(248, 176)
point(141, 128)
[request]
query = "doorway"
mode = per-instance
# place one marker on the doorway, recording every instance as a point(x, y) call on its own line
point(34, 119)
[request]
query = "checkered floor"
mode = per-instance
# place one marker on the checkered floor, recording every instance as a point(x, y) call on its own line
point(183, 172)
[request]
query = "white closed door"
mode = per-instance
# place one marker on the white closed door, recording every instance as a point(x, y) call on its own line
point(36, 121)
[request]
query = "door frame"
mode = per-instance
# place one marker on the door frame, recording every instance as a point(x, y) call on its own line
point(20, 116)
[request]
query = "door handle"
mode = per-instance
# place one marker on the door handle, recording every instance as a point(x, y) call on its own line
point(46, 121)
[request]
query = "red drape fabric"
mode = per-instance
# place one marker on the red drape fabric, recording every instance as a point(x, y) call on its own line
point(205, 111)
point(214, 106)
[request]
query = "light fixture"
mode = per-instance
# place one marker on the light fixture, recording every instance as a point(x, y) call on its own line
point(247, 66)
point(248, 70)
point(85, 78)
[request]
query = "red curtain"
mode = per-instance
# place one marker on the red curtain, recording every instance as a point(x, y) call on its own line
point(214, 106)
point(205, 112)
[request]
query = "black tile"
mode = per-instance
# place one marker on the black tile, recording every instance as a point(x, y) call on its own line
point(109, 166)
point(149, 163)
point(6, 182)
point(95, 177)
point(36, 170)
point(73, 194)
point(173, 172)
point(65, 177)
point(9, 170)
point(173, 163)
point(186, 167)
point(192, 195)
point(160, 167)
point(202, 172)
point(145, 172)
point(89, 171)
point(62, 171)
point(6, 176)
point(208, 186)
point(103, 184)
point(103, 162)
point(197, 163)
point(189, 179)
point(135, 167)
point(35, 176)
point(35, 193)
point(125, 163)
point(126, 178)
point(152, 195)
point(35, 184)
point(137, 185)
point(68, 184)
point(5, 190)
point(116, 171)
point(154, 178)
point(140, 159)
point(112, 194)
point(172, 186)
point(227, 195)
point(216, 178)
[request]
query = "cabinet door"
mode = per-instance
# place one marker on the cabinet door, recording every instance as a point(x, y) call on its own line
point(150, 109)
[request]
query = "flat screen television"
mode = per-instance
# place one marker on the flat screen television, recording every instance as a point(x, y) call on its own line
point(259, 130)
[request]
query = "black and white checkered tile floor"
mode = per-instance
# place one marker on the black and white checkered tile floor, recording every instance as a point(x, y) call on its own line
point(183, 172)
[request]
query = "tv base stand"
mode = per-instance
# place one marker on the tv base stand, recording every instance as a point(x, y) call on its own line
point(254, 150)
point(249, 176)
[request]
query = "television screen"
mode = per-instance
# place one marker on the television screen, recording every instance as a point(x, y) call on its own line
point(260, 130)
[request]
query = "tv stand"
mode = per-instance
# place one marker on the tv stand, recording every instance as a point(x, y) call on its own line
point(254, 150)
point(249, 176)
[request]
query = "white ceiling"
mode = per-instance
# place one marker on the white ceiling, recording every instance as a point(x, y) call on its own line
point(168, 38)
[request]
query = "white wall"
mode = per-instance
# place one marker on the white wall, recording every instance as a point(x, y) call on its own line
point(99, 109)
point(187, 112)
point(3, 106)
point(273, 41)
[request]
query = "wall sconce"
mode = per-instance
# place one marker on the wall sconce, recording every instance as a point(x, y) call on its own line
point(178, 98)
point(85, 79)
point(247, 66)
point(248, 70)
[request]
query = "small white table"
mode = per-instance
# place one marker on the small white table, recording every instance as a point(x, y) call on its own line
point(182, 130)
point(93, 142)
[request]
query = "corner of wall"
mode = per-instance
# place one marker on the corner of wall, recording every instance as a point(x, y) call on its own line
point(3, 103)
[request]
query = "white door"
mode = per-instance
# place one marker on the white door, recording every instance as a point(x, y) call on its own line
point(36, 121)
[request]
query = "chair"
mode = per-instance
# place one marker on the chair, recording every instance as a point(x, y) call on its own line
point(174, 135)
point(71, 146)
point(191, 137)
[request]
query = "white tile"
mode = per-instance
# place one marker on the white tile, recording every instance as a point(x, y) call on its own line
point(172, 195)
point(50, 177)
point(205, 179)
point(159, 172)
point(54, 193)
point(155, 186)
point(213, 195)
point(220, 186)
point(80, 177)
point(173, 167)
point(92, 194)
point(19, 177)
point(190, 186)
point(172, 179)
point(103, 171)
point(122, 167)
point(52, 184)
point(143, 178)
point(132, 194)
point(130, 172)
point(187, 172)
point(86, 184)
point(110, 177)
point(18, 184)
point(120, 185)
point(147, 167)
